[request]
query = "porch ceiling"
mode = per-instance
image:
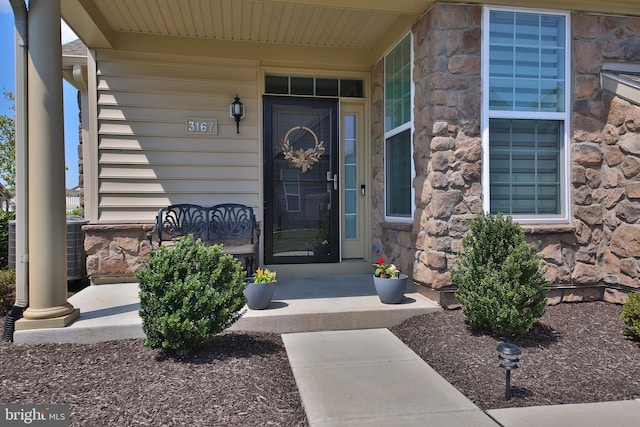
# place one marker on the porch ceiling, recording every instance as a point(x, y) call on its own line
point(358, 24)
point(364, 27)
point(250, 21)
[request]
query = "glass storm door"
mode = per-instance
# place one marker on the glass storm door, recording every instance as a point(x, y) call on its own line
point(301, 180)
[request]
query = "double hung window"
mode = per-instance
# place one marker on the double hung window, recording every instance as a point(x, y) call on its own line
point(398, 157)
point(525, 111)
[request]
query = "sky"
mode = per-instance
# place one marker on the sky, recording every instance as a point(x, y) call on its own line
point(7, 82)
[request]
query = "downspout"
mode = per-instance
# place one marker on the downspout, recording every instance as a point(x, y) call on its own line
point(22, 250)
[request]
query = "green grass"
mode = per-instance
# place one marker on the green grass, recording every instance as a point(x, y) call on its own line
point(294, 240)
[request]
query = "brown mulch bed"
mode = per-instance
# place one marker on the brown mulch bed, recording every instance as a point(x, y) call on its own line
point(237, 380)
point(575, 354)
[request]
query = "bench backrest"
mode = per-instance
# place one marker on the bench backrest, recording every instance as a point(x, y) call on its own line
point(223, 222)
point(231, 221)
point(181, 220)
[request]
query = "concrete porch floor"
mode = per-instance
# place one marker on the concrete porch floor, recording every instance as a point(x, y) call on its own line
point(300, 304)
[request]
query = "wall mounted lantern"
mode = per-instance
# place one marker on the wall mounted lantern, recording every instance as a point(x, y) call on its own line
point(508, 358)
point(236, 111)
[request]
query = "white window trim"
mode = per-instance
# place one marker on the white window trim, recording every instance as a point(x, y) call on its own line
point(564, 216)
point(397, 130)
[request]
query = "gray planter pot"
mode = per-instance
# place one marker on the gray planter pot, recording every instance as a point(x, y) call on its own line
point(259, 295)
point(391, 291)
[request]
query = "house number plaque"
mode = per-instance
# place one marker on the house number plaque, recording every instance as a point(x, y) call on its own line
point(200, 126)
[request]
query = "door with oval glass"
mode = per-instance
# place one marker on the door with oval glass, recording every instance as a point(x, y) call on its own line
point(301, 180)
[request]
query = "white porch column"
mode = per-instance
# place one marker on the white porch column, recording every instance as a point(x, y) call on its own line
point(48, 306)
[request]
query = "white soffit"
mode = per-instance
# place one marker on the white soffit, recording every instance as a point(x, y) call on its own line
point(296, 23)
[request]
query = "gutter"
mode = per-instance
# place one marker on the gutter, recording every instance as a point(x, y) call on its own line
point(621, 79)
point(22, 251)
point(619, 85)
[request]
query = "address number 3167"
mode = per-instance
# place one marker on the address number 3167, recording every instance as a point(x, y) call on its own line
point(200, 126)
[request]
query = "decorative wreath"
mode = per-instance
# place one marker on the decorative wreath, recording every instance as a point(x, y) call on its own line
point(303, 159)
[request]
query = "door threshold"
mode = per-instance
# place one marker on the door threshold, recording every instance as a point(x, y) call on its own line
point(350, 266)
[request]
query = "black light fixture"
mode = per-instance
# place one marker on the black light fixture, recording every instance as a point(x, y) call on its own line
point(508, 358)
point(236, 111)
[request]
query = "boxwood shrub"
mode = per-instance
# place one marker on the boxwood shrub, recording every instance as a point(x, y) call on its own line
point(189, 293)
point(7, 290)
point(5, 217)
point(499, 277)
point(631, 317)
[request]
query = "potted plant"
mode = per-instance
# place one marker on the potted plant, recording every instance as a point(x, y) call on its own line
point(321, 242)
point(321, 247)
point(260, 292)
point(389, 282)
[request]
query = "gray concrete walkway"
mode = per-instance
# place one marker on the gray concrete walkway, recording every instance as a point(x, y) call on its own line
point(624, 413)
point(370, 378)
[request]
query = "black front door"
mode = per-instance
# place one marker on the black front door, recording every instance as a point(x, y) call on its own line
point(301, 180)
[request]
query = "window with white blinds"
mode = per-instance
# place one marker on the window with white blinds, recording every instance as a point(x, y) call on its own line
point(525, 166)
point(525, 79)
point(527, 62)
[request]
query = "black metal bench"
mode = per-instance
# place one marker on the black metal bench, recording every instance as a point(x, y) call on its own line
point(231, 224)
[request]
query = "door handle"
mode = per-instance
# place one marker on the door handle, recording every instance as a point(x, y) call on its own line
point(334, 179)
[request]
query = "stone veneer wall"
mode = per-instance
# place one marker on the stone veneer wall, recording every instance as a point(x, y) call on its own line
point(115, 252)
point(605, 169)
point(587, 259)
point(447, 145)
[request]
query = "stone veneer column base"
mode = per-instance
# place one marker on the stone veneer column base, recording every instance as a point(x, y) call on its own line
point(557, 294)
point(98, 279)
point(444, 297)
point(54, 322)
point(115, 252)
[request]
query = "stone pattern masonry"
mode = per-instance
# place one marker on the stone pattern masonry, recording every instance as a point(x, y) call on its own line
point(115, 253)
point(600, 248)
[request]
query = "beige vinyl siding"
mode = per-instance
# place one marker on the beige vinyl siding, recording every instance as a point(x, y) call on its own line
point(146, 160)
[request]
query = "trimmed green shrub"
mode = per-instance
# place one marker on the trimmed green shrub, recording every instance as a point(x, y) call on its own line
point(75, 211)
point(5, 217)
point(7, 290)
point(189, 293)
point(500, 278)
point(631, 317)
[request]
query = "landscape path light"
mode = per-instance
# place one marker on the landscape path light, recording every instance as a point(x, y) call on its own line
point(508, 361)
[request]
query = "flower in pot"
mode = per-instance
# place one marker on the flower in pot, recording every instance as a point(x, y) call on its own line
point(386, 271)
point(389, 282)
point(321, 244)
point(264, 276)
point(260, 292)
point(321, 247)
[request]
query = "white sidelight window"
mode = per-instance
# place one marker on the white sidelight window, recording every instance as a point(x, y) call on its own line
point(398, 152)
point(526, 114)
